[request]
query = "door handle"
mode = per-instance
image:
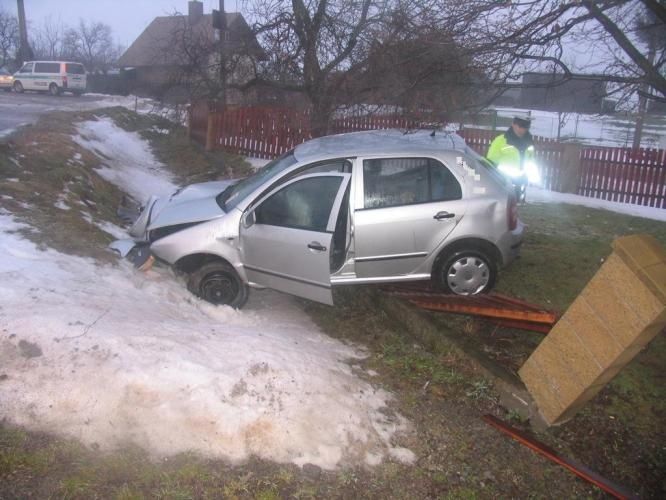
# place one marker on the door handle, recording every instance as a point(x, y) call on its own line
point(315, 245)
point(443, 215)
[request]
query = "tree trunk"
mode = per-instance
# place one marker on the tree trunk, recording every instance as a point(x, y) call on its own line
point(320, 116)
point(642, 103)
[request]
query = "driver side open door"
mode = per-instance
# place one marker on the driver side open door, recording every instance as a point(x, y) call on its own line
point(286, 236)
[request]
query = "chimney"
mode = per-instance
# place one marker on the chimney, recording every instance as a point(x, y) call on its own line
point(195, 11)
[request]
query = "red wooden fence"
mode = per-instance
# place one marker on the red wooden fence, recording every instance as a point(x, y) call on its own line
point(616, 174)
point(624, 175)
point(259, 132)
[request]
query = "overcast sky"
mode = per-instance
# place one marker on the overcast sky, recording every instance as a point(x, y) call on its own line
point(127, 18)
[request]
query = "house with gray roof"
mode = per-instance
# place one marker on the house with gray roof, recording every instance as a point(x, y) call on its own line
point(181, 53)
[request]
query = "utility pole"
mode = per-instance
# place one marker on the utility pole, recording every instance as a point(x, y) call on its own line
point(220, 24)
point(24, 52)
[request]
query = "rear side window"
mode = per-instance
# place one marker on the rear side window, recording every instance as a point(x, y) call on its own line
point(392, 182)
point(47, 67)
point(75, 69)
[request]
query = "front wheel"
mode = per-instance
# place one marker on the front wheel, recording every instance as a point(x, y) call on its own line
point(466, 272)
point(219, 284)
point(18, 87)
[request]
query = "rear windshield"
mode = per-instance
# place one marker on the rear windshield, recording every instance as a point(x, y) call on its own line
point(75, 69)
point(480, 161)
point(47, 67)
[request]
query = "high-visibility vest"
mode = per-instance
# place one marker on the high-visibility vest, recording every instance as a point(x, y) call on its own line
point(501, 152)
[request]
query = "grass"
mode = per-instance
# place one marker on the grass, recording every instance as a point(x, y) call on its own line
point(417, 356)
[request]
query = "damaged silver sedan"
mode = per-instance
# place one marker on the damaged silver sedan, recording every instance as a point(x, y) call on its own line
point(361, 208)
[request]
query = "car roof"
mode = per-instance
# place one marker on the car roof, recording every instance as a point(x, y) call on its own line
point(382, 142)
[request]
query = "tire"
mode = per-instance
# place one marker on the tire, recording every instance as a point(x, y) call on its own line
point(18, 87)
point(465, 272)
point(54, 90)
point(219, 284)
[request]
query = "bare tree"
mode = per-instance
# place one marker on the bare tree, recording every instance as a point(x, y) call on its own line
point(505, 39)
point(590, 39)
point(192, 52)
point(91, 42)
point(9, 37)
point(315, 46)
point(48, 40)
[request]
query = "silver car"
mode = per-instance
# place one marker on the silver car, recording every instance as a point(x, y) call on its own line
point(360, 208)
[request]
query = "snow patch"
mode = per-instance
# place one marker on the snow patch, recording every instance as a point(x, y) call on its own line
point(127, 160)
point(109, 228)
point(537, 195)
point(125, 357)
point(61, 204)
point(256, 162)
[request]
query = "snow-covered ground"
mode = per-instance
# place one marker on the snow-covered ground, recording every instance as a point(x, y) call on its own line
point(111, 356)
point(126, 158)
point(537, 195)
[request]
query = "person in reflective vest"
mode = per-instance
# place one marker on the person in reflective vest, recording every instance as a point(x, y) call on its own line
point(513, 154)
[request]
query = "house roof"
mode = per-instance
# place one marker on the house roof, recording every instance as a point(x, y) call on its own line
point(158, 44)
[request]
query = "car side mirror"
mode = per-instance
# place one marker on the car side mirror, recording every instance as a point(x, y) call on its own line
point(249, 219)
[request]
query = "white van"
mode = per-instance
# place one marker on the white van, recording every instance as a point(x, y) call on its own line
point(53, 77)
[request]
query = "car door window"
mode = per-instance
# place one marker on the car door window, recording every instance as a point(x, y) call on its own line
point(323, 167)
point(27, 68)
point(305, 204)
point(392, 182)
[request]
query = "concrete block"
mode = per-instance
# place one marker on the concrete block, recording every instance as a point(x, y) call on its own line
point(620, 310)
point(537, 383)
point(589, 330)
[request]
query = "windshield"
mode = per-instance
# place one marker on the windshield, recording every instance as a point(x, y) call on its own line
point(231, 196)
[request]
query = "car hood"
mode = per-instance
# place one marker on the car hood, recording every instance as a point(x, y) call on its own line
point(194, 203)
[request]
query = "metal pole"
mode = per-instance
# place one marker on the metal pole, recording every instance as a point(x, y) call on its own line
point(223, 54)
point(24, 52)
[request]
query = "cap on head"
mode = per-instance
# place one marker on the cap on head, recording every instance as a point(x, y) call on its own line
point(522, 121)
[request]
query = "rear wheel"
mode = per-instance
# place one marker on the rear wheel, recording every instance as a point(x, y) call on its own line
point(466, 272)
point(18, 87)
point(53, 89)
point(219, 284)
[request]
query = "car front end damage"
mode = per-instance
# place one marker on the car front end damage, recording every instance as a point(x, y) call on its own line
point(163, 217)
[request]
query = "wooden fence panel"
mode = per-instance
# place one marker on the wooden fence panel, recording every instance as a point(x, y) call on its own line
point(624, 175)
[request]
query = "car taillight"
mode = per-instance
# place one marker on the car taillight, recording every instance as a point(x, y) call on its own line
point(64, 81)
point(512, 213)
